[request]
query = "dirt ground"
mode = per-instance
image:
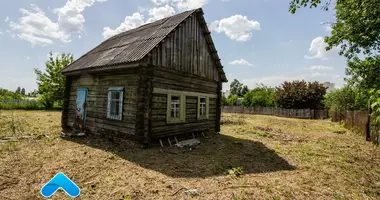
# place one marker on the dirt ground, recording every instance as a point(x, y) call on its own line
point(254, 157)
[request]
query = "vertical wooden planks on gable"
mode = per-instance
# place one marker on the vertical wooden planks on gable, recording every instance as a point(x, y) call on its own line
point(191, 63)
point(168, 52)
point(163, 53)
point(177, 50)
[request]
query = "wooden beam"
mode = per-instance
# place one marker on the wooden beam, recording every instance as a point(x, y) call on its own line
point(185, 93)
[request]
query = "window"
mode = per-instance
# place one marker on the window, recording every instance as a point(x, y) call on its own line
point(175, 108)
point(115, 103)
point(203, 107)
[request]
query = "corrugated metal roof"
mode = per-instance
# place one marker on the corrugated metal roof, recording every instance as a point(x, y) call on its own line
point(131, 46)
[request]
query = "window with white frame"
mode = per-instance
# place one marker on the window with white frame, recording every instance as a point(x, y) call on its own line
point(203, 106)
point(175, 108)
point(115, 103)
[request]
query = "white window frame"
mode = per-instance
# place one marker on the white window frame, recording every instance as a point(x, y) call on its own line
point(207, 108)
point(182, 114)
point(120, 101)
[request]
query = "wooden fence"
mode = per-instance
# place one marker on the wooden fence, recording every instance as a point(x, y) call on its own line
point(281, 112)
point(358, 121)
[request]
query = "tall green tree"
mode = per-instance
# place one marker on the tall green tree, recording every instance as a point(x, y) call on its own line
point(18, 90)
point(238, 89)
point(300, 95)
point(261, 96)
point(23, 91)
point(356, 31)
point(346, 98)
point(51, 82)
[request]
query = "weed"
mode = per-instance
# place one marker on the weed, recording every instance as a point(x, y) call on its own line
point(236, 171)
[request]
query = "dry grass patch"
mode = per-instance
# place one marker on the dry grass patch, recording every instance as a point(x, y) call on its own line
point(263, 157)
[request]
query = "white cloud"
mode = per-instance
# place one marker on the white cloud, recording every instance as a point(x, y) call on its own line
point(28, 57)
point(160, 13)
point(34, 26)
point(130, 22)
point(181, 5)
point(240, 62)
point(273, 80)
point(319, 67)
point(137, 19)
point(318, 74)
point(236, 27)
point(70, 17)
point(6, 19)
point(317, 50)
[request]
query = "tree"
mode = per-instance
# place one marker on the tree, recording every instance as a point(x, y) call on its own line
point(232, 100)
point(224, 100)
point(7, 94)
point(261, 96)
point(18, 90)
point(238, 88)
point(346, 98)
point(300, 95)
point(51, 83)
point(23, 91)
point(357, 32)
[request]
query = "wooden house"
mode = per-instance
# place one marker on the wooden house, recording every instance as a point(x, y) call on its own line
point(158, 80)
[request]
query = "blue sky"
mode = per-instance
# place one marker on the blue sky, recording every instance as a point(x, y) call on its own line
point(259, 41)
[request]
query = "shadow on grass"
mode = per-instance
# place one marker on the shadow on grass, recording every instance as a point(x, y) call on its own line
point(214, 156)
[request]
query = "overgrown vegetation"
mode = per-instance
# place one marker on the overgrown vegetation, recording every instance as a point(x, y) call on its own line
point(51, 83)
point(346, 98)
point(356, 30)
point(261, 96)
point(300, 95)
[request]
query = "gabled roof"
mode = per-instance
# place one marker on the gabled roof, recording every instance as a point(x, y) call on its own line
point(133, 45)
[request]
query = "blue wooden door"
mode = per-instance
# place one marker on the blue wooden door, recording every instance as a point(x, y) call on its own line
point(81, 101)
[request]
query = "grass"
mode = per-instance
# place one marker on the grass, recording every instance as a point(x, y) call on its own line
point(254, 157)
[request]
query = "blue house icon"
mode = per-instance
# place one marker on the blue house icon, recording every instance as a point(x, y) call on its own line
point(60, 181)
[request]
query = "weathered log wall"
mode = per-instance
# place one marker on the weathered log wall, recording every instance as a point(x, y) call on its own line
point(96, 109)
point(170, 79)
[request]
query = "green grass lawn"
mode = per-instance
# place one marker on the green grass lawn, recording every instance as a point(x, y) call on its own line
point(280, 159)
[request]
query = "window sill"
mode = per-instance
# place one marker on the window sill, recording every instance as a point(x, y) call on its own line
point(175, 122)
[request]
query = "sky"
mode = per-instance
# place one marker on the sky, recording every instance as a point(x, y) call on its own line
point(258, 41)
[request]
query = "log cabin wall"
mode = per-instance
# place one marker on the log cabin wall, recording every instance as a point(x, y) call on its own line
point(96, 109)
point(165, 78)
point(183, 62)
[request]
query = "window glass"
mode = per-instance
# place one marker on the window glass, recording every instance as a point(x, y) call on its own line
point(202, 106)
point(115, 104)
point(175, 107)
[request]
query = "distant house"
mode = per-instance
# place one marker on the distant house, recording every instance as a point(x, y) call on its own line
point(226, 93)
point(158, 80)
point(330, 86)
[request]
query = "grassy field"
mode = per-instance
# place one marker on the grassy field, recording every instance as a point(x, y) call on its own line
point(254, 157)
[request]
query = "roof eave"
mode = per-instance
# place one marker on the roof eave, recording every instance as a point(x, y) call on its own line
point(104, 68)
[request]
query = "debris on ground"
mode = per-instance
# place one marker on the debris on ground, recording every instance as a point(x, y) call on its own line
point(188, 143)
point(340, 132)
point(192, 192)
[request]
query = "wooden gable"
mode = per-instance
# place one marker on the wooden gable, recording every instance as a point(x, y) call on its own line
point(186, 50)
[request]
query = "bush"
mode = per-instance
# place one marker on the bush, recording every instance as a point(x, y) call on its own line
point(28, 105)
point(259, 97)
point(300, 95)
